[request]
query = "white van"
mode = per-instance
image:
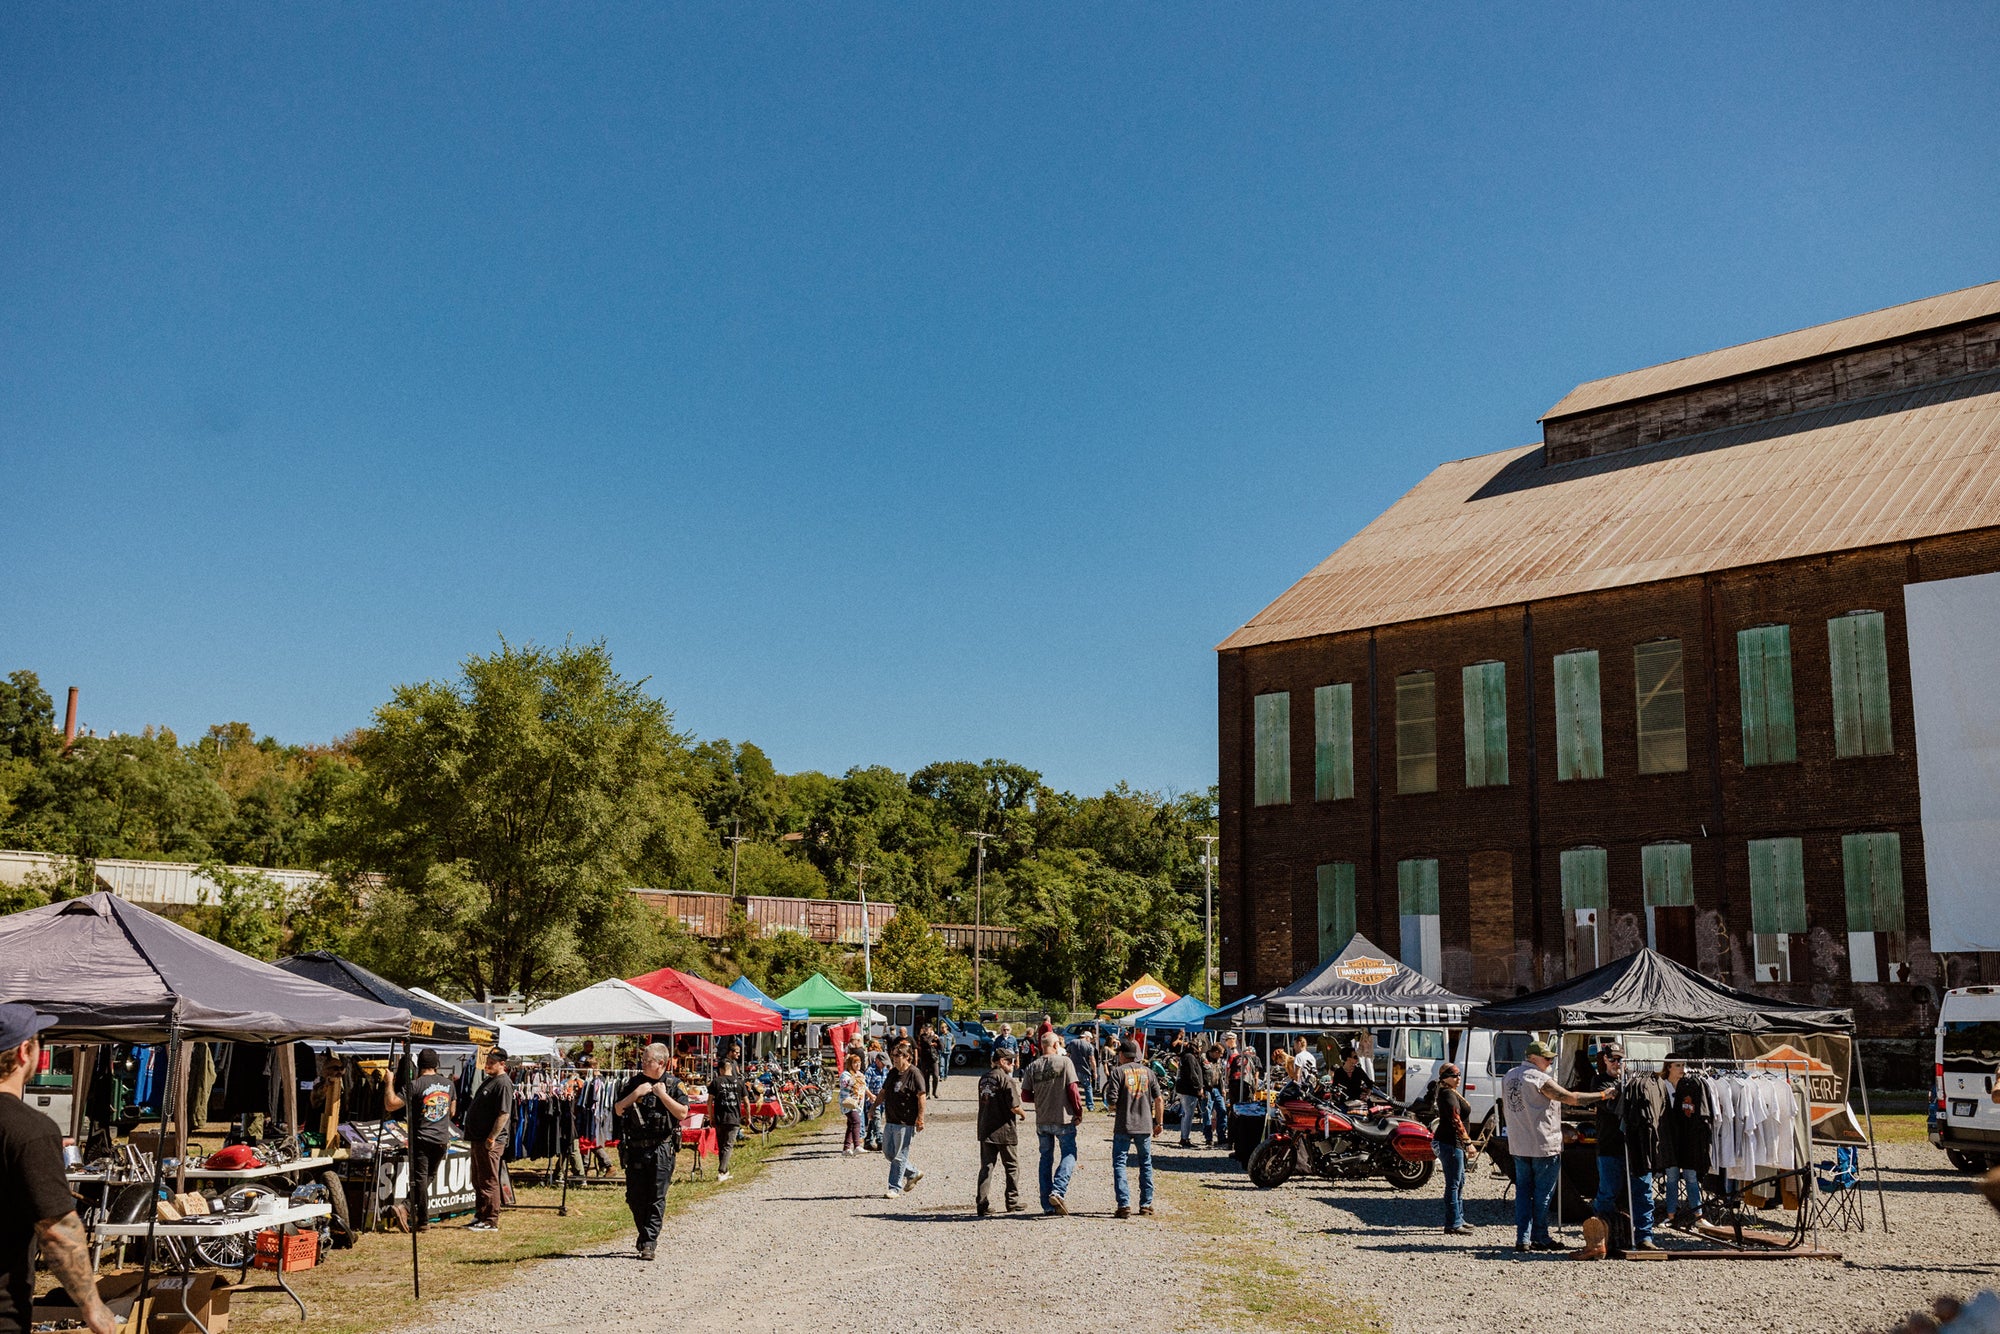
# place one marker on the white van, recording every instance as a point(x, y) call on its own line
point(1966, 1121)
point(1406, 1060)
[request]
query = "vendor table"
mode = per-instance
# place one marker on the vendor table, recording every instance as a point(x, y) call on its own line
point(223, 1225)
point(297, 1166)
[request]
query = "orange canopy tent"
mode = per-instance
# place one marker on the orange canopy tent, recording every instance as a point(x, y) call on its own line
point(1141, 995)
point(729, 1012)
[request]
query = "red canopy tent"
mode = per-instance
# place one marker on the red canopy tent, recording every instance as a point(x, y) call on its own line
point(1141, 995)
point(729, 1012)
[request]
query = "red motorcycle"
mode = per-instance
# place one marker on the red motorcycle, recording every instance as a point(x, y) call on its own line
point(1316, 1137)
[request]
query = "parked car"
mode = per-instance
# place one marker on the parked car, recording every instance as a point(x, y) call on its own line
point(1965, 1121)
point(970, 1042)
point(1108, 1034)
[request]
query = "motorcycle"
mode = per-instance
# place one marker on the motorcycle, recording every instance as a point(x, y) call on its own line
point(1314, 1136)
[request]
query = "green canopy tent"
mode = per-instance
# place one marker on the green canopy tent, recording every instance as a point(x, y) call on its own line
point(822, 1001)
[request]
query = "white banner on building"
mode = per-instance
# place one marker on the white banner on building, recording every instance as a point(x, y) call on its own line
point(1954, 646)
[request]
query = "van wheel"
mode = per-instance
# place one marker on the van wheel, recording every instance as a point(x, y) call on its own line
point(1965, 1162)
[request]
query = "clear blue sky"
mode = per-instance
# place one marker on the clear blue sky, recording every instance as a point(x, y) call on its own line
point(887, 384)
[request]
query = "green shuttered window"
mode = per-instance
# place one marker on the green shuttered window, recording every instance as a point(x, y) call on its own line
point(1272, 716)
point(1422, 935)
point(1336, 907)
point(1777, 887)
point(1669, 873)
point(1874, 868)
point(1662, 712)
point(1416, 733)
point(1417, 887)
point(1586, 878)
point(1485, 685)
point(1579, 720)
point(1764, 682)
point(1859, 651)
point(1333, 742)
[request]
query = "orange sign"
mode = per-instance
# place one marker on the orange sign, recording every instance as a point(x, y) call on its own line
point(1149, 995)
point(1364, 971)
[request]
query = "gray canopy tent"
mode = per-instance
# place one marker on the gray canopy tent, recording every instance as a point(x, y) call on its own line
point(110, 971)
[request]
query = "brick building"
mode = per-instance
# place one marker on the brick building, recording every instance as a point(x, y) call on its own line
point(1646, 681)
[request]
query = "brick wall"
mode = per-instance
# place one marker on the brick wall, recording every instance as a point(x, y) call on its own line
point(1270, 855)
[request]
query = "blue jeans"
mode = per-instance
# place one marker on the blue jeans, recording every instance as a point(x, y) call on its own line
point(1451, 1157)
point(1088, 1083)
point(1609, 1169)
point(1194, 1110)
point(896, 1142)
point(1121, 1144)
point(1055, 1175)
point(1534, 1183)
point(1670, 1190)
point(1218, 1113)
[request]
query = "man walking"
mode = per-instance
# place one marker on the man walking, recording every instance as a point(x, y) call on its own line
point(999, 1109)
point(486, 1122)
point(903, 1097)
point(650, 1108)
point(927, 1058)
point(1051, 1085)
point(1082, 1053)
point(430, 1107)
point(1188, 1078)
point(1136, 1116)
point(37, 1212)
point(1532, 1103)
point(1242, 1067)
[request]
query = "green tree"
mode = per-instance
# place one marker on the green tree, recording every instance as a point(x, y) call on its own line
point(910, 956)
point(509, 812)
point(245, 911)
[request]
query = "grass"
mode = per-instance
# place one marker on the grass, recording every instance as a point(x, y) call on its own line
point(1901, 1128)
point(367, 1289)
point(1252, 1287)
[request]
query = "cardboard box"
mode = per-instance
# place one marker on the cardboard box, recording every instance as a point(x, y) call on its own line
point(207, 1295)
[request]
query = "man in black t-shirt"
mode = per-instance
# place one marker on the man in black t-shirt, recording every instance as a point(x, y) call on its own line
point(35, 1203)
point(650, 1108)
point(430, 1110)
point(486, 1122)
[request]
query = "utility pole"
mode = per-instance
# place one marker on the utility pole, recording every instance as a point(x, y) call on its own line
point(867, 958)
point(1208, 915)
point(978, 916)
point(735, 851)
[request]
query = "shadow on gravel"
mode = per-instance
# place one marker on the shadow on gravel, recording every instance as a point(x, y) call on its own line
point(625, 1256)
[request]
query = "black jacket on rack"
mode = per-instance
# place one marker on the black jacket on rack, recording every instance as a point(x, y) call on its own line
point(1690, 1126)
point(1642, 1107)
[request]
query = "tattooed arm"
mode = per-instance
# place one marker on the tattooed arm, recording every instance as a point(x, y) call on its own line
point(66, 1251)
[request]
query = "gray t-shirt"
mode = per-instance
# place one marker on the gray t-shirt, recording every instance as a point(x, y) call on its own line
point(1534, 1123)
point(1048, 1081)
point(1135, 1093)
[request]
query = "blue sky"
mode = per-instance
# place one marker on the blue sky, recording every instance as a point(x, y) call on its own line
point(886, 383)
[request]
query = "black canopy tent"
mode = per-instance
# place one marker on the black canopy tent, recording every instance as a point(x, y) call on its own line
point(110, 971)
point(1363, 986)
point(1646, 992)
point(427, 1018)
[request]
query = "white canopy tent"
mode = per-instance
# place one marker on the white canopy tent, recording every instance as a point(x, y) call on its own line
point(611, 1006)
point(514, 1041)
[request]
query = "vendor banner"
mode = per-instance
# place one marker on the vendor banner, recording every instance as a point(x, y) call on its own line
point(1825, 1060)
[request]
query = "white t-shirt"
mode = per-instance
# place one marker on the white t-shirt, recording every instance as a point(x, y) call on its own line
point(1305, 1063)
point(1534, 1122)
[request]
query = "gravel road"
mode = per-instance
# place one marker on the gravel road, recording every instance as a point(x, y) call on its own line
point(811, 1244)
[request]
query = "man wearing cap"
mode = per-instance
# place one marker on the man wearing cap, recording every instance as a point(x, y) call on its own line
point(486, 1122)
point(1137, 1115)
point(36, 1208)
point(1532, 1103)
point(1613, 1160)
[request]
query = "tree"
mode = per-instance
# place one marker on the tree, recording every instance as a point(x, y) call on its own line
point(246, 911)
point(910, 956)
point(509, 812)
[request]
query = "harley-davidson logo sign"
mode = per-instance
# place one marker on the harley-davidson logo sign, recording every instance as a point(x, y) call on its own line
point(1364, 971)
point(1149, 995)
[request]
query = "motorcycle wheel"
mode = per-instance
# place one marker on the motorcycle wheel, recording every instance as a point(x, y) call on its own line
point(233, 1252)
point(1272, 1164)
point(763, 1125)
point(1406, 1175)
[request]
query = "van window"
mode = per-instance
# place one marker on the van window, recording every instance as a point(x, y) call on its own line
point(1972, 1047)
point(1509, 1050)
point(1427, 1044)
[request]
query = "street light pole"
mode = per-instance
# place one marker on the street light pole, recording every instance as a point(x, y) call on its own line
point(1209, 915)
point(867, 959)
point(978, 914)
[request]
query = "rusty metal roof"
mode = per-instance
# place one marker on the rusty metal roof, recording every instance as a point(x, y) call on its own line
point(1503, 528)
point(1912, 317)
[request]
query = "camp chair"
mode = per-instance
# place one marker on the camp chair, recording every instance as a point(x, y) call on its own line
point(1838, 1201)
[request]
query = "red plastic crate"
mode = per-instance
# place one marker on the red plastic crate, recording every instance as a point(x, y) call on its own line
point(275, 1250)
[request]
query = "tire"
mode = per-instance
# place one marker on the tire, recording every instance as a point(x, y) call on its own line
point(763, 1125)
point(1965, 1162)
point(233, 1252)
point(1406, 1175)
point(960, 1057)
point(1272, 1164)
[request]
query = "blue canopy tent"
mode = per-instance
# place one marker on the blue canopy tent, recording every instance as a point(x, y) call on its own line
point(743, 986)
point(1184, 1015)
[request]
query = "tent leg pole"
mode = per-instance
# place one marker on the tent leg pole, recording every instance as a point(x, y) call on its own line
point(1874, 1155)
point(288, 1071)
point(159, 1156)
point(410, 1133)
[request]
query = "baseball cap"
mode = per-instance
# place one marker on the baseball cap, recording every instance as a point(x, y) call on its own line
point(1542, 1049)
point(20, 1021)
point(1611, 1049)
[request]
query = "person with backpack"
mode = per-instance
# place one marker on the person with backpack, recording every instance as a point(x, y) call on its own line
point(727, 1095)
point(999, 1108)
point(1189, 1081)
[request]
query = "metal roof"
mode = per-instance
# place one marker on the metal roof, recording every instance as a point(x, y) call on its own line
point(1503, 528)
point(1912, 317)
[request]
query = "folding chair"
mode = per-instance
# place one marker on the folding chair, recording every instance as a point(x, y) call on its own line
point(1837, 1204)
